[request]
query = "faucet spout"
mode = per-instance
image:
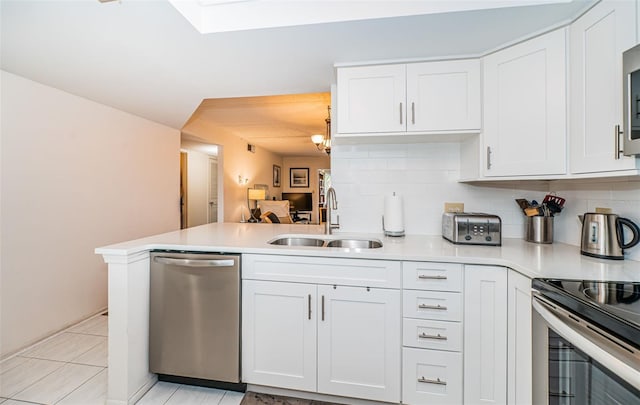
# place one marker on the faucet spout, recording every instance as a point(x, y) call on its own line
point(332, 204)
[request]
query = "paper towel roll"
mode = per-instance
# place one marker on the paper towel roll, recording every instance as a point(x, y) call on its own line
point(393, 215)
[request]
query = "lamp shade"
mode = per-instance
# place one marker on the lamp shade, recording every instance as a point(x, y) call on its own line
point(257, 194)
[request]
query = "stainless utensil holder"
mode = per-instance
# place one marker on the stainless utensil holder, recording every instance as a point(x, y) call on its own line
point(539, 229)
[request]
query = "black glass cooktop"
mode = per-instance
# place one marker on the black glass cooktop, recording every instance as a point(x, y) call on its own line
point(614, 306)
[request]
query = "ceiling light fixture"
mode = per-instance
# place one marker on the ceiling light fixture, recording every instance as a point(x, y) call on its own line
point(323, 142)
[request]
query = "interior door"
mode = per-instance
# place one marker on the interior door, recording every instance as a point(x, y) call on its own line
point(212, 215)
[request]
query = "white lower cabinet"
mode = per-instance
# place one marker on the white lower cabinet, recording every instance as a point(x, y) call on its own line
point(329, 339)
point(359, 342)
point(432, 313)
point(279, 334)
point(519, 334)
point(485, 335)
point(454, 334)
point(431, 377)
point(497, 336)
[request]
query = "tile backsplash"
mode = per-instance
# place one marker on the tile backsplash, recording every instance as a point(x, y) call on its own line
point(425, 175)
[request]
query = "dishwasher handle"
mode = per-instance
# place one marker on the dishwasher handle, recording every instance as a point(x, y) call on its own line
point(195, 262)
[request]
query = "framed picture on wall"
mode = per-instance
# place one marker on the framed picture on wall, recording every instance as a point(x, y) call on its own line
point(299, 177)
point(276, 176)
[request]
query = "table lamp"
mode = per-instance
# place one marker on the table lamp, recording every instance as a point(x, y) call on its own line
point(255, 194)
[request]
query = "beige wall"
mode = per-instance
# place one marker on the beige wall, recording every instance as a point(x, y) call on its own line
point(313, 163)
point(75, 175)
point(237, 161)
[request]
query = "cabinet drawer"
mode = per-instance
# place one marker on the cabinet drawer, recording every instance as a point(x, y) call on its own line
point(431, 377)
point(322, 270)
point(443, 306)
point(432, 276)
point(427, 334)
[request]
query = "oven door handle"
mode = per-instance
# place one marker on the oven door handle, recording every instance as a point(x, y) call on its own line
point(591, 349)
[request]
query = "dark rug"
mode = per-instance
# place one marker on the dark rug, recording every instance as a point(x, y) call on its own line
point(254, 398)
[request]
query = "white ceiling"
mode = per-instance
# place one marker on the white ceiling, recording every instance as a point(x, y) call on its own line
point(145, 58)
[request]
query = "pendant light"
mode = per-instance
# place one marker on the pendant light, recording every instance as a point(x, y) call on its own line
point(323, 142)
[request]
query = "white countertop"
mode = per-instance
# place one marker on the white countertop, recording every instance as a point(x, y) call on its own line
point(555, 260)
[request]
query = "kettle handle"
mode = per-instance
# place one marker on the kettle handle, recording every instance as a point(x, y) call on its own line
point(634, 229)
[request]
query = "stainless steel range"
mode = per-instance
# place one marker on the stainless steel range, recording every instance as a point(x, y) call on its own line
point(586, 337)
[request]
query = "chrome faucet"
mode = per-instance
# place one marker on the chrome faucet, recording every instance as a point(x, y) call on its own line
point(332, 204)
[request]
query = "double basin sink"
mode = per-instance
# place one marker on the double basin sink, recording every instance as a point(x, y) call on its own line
point(314, 241)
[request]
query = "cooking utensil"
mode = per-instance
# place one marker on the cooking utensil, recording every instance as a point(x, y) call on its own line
point(555, 199)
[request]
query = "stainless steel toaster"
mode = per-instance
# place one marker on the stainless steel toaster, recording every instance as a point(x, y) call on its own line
point(472, 228)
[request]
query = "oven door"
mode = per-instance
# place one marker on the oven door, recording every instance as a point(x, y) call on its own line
point(577, 363)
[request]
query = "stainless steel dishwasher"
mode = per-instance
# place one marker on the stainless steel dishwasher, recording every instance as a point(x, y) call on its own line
point(194, 321)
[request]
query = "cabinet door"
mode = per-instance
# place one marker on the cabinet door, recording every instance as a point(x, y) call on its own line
point(279, 334)
point(519, 383)
point(597, 41)
point(485, 335)
point(443, 96)
point(371, 99)
point(525, 108)
point(359, 344)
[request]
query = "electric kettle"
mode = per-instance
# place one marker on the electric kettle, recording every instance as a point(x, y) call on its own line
point(603, 236)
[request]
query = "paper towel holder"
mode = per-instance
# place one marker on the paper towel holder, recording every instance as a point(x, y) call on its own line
point(395, 233)
point(391, 233)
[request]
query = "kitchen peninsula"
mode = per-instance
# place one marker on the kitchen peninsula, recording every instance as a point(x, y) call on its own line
point(129, 376)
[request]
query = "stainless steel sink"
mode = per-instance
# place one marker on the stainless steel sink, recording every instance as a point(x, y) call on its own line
point(298, 241)
point(317, 242)
point(355, 243)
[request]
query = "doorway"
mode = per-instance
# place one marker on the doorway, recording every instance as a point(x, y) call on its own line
point(200, 185)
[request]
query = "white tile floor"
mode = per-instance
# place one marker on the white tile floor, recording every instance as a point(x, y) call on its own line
point(71, 369)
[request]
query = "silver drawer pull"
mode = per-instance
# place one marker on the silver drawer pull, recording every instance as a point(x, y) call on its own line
point(425, 306)
point(437, 337)
point(432, 277)
point(428, 381)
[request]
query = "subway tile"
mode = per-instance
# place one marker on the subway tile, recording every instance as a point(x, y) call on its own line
point(191, 395)
point(64, 347)
point(22, 376)
point(159, 394)
point(96, 356)
point(92, 392)
point(58, 384)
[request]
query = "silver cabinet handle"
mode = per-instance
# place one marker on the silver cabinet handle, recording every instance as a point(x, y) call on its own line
point(323, 307)
point(195, 262)
point(436, 337)
point(309, 306)
point(429, 381)
point(488, 157)
point(413, 113)
point(400, 113)
point(425, 306)
point(422, 277)
point(616, 142)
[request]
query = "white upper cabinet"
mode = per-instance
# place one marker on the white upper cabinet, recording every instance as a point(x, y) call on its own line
point(409, 98)
point(525, 108)
point(372, 99)
point(597, 41)
point(444, 96)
